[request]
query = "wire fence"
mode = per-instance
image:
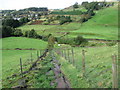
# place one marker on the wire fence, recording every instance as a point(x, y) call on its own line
point(98, 75)
point(24, 69)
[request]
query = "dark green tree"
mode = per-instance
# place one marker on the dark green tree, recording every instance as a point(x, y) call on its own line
point(90, 12)
point(6, 31)
point(32, 34)
point(84, 3)
point(64, 19)
point(11, 22)
point(79, 40)
point(24, 20)
point(75, 6)
point(82, 20)
point(51, 41)
point(18, 32)
point(26, 34)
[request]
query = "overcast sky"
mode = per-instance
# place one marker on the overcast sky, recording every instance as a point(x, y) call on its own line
point(51, 4)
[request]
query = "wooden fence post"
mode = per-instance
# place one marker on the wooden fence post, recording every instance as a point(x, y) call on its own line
point(83, 62)
point(31, 57)
point(73, 56)
point(37, 55)
point(65, 54)
point(68, 55)
point(40, 53)
point(21, 67)
point(62, 52)
point(114, 72)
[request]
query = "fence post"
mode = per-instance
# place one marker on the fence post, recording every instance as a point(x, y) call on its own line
point(83, 62)
point(37, 55)
point(40, 53)
point(31, 57)
point(62, 52)
point(65, 54)
point(21, 67)
point(68, 56)
point(73, 56)
point(114, 72)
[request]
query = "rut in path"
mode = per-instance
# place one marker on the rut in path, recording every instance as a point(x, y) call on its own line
point(61, 80)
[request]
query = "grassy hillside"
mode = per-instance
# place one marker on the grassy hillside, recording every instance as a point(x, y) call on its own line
point(103, 25)
point(81, 8)
point(70, 11)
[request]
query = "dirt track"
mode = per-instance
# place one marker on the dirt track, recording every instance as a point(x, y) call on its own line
point(61, 80)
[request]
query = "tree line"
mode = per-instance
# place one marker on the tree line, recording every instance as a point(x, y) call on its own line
point(9, 25)
point(8, 31)
point(35, 9)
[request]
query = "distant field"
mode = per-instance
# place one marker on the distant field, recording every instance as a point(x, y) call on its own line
point(38, 28)
point(53, 29)
point(10, 58)
point(104, 25)
point(75, 12)
point(97, 32)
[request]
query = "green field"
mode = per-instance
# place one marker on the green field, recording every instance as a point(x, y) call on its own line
point(10, 58)
point(23, 43)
